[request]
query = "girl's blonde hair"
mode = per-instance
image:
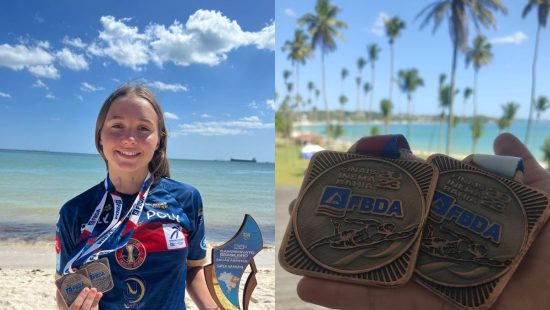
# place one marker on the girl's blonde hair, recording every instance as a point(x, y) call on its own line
point(158, 166)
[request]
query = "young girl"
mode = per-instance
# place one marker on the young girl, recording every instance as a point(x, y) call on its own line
point(149, 227)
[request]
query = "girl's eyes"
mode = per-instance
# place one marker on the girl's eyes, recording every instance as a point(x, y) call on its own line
point(140, 128)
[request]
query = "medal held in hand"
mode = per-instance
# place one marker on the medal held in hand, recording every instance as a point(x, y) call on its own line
point(70, 285)
point(229, 262)
point(358, 218)
point(95, 274)
point(478, 230)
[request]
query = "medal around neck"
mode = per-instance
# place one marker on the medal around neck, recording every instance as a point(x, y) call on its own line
point(479, 228)
point(229, 262)
point(358, 219)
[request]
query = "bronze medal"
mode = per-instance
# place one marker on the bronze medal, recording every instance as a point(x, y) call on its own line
point(358, 219)
point(99, 274)
point(72, 284)
point(477, 232)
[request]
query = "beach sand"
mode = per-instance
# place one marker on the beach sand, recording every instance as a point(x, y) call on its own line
point(285, 287)
point(27, 275)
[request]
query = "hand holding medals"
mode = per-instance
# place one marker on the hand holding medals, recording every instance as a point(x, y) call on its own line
point(478, 251)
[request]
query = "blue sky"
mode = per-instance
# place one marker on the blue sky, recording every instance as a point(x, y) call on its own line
point(210, 63)
point(507, 78)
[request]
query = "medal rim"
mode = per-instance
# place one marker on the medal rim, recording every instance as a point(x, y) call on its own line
point(422, 217)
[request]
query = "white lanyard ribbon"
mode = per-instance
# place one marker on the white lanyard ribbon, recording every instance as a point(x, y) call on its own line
point(89, 244)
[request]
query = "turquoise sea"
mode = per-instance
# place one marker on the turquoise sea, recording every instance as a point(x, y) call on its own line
point(34, 185)
point(427, 137)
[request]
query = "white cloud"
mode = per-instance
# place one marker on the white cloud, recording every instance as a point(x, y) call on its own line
point(45, 71)
point(75, 62)
point(39, 19)
point(89, 87)
point(244, 126)
point(170, 115)
point(206, 115)
point(253, 105)
point(36, 59)
point(79, 97)
point(76, 42)
point(39, 84)
point(253, 119)
point(290, 12)
point(122, 43)
point(270, 103)
point(50, 96)
point(206, 38)
point(378, 28)
point(516, 38)
point(167, 87)
point(4, 95)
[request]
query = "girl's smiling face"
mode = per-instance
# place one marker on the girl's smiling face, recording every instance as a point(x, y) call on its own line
point(129, 136)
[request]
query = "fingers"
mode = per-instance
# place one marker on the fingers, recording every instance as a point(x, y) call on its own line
point(339, 295)
point(87, 299)
point(508, 145)
point(95, 304)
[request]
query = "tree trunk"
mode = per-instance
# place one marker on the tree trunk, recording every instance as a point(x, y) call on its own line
point(409, 99)
point(474, 118)
point(371, 112)
point(391, 72)
point(533, 84)
point(452, 90)
point(327, 116)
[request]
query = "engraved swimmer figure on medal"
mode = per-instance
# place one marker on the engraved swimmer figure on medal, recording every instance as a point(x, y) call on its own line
point(370, 234)
point(460, 248)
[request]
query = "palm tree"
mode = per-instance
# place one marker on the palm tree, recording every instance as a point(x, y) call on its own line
point(317, 94)
point(509, 112)
point(445, 99)
point(366, 89)
point(409, 80)
point(323, 28)
point(393, 31)
point(543, 7)
point(467, 93)
point(541, 105)
point(480, 55)
point(373, 51)
point(361, 62)
point(343, 74)
point(298, 51)
point(477, 131)
point(456, 11)
point(310, 88)
point(386, 106)
point(546, 151)
point(343, 99)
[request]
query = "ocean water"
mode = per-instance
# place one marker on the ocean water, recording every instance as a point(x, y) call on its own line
point(430, 137)
point(34, 185)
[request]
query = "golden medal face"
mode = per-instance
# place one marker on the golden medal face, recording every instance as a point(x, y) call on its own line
point(359, 215)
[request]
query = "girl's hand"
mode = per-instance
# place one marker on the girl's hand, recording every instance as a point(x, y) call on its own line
point(88, 299)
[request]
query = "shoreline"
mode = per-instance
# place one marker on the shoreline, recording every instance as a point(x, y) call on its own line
point(27, 270)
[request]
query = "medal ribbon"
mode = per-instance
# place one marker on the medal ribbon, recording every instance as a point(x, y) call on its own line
point(91, 240)
point(388, 146)
point(506, 166)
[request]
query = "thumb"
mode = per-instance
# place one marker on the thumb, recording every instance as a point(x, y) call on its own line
point(508, 145)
